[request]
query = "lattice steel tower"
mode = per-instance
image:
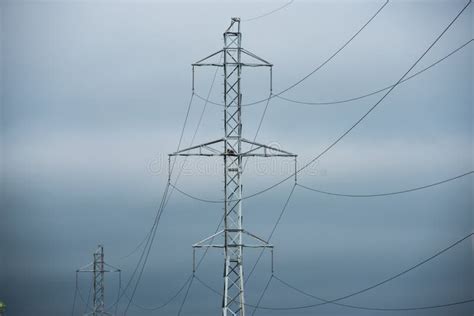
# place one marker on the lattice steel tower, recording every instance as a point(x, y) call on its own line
point(98, 269)
point(233, 148)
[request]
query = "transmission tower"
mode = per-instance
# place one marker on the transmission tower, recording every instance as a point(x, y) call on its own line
point(233, 148)
point(98, 269)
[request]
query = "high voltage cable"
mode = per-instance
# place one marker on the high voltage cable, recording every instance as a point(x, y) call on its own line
point(340, 194)
point(335, 53)
point(184, 284)
point(354, 125)
point(86, 307)
point(269, 13)
point(325, 302)
point(263, 294)
point(185, 296)
point(381, 309)
point(167, 197)
point(379, 283)
point(172, 298)
point(179, 144)
point(166, 303)
point(259, 126)
point(387, 193)
point(379, 90)
point(314, 70)
point(146, 250)
point(272, 232)
point(74, 299)
point(262, 251)
point(152, 233)
point(374, 106)
point(317, 157)
point(151, 238)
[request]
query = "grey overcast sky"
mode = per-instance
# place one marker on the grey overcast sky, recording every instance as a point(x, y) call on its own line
point(94, 94)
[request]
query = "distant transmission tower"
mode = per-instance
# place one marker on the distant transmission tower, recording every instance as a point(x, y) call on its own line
point(233, 148)
point(98, 269)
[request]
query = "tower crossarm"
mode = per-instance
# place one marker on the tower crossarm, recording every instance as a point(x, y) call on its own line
point(261, 150)
point(205, 61)
point(208, 243)
point(256, 60)
point(256, 150)
point(260, 242)
point(205, 149)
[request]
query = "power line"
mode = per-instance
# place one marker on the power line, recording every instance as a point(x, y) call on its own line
point(272, 231)
point(152, 234)
point(262, 117)
point(173, 297)
point(379, 90)
point(167, 197)
point(327, 149)
point(337, 52)
point(86, 306)
point(379, 283)
point(354, 125)
point(339, 194)
point(262, 295)
point(325, 302)
point(399, 309)
point(269, 13)
point(74, 299)
point(185, 296)
point(147, 250)
point(167, 302)
point(387, 193)
point(179, 145)
point(314, 70)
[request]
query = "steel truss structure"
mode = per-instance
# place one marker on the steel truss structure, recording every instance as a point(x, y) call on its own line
point(98, 269)
point(233, 148)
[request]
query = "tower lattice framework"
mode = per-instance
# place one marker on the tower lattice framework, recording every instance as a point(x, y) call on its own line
point(98, 268)
point(233, 148)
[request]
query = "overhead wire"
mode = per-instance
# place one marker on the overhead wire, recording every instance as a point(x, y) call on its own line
point(317, 157)
point(167, 197)
point(185, 296)
point(146, 251)
point(386, 193)
point(74, 299)
point(81, 297)
point(86, 303)
point(379, 90)
point(314, 70)
point(269, 13)
point(263, 294)
point(335, 53)
point(172, 298)
point(342, 194)
point(389, 279)
point(280, 216)
point(259, 126)
point(381, 309)
point(167, 302)
point(149, 241)
point(355, 124)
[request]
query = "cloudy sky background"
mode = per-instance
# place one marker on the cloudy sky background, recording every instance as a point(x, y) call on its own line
point(94, 94)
